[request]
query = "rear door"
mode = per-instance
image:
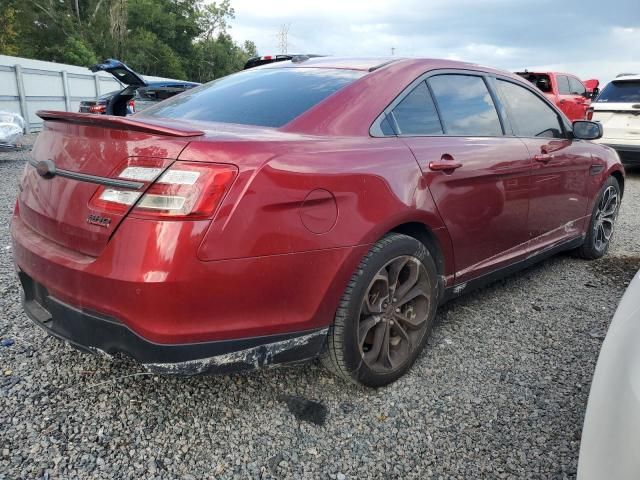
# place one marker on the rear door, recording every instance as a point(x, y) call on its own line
point(559, 195)
point(477, 176)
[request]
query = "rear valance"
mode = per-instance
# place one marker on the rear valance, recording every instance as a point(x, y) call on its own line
point(119, 123)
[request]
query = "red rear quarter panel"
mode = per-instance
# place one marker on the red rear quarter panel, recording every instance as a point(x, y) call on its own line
point(313, 194)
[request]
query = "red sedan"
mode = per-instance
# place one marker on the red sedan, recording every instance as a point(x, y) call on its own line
point(323, 207)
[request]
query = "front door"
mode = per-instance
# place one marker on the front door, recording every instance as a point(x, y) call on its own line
point(558, 197)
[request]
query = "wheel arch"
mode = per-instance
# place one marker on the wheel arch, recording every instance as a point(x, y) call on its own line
point(427, 237)
point(618, 175)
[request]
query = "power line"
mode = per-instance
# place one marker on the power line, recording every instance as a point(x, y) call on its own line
point(283, 40)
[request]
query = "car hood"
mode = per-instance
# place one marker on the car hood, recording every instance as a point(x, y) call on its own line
point(120, 71)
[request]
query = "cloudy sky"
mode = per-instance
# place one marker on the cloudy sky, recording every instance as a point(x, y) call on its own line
point(593, 39)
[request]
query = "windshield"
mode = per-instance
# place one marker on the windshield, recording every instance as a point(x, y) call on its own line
point(264, 97)
point(621, 92)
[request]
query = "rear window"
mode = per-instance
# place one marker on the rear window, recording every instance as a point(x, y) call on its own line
point(465, 105)
point(265, 97)
point(621, 92)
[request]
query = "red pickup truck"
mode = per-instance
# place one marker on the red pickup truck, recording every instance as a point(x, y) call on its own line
point(567, 91)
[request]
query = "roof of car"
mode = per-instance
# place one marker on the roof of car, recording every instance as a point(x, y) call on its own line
point(627, 77)
point(377, 63)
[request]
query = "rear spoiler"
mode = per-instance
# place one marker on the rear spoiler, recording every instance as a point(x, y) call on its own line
point(118, 123)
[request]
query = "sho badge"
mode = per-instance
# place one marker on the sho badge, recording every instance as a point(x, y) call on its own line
point(98, 220)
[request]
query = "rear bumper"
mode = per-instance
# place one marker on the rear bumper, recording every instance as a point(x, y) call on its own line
point(94, 333)
point(149, 278)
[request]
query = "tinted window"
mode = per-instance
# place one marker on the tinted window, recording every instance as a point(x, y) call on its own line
point(416, 114)
point(465, 105)
point(563, 85)
point(269, 98)
point(530, 115)
point(576, 86)
point(621, 92)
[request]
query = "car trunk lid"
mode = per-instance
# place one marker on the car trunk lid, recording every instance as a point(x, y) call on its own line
point(120, 71)
point(77, 153)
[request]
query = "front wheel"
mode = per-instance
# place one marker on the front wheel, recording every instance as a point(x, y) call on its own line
point(603, 219)
point(386, 313)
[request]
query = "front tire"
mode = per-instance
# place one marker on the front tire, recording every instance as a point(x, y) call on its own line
point(386, 313)
point(603, 218)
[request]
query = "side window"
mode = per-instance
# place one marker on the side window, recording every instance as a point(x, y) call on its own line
point(465, 105)
point(416, 114)
point(563, 85)
point(530, 115)
point(576, 86)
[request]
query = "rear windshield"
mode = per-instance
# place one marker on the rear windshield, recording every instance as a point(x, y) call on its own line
point(540, 80)
point(621, 92)
point(265, 97)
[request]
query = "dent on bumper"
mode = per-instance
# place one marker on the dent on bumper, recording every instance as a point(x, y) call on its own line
point(256, 357)
point(97, 334)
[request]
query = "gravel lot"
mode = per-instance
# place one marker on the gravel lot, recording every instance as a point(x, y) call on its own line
point(500, 391)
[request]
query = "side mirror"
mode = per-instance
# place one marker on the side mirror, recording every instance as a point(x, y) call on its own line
point(586, 130)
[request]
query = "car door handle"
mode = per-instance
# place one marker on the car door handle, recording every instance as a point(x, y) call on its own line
point(543, 157)
point(447, 166)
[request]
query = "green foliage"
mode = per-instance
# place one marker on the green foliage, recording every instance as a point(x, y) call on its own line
point(185, 39)
point(147, 53)
point(76, 52)
point(8, 33)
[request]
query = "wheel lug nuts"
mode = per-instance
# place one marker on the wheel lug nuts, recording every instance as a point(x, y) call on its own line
point(397, 310)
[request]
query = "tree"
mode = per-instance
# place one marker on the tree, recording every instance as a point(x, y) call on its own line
point(8, 33)
point(250, 49)
point(214, 18)
point(171, 38)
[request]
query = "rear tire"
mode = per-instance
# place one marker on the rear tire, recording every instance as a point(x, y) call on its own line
point(601, 225)
point(386, 313)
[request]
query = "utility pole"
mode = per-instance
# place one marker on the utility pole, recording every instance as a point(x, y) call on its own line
point(283, 41)
point(393, 51)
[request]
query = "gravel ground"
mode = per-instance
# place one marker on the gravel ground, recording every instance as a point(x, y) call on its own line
point(500, 391)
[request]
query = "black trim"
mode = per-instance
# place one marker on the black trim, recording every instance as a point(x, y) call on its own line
point(626, 148)
point(456, 290)
point(383, 64)
point(376, 131)
point(629, 154)
point(96, 333)
point(85, 177)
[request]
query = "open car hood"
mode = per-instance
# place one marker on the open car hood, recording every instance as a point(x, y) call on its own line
point(119, 70)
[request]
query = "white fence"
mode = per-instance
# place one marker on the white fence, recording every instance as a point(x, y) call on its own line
point(27, 86)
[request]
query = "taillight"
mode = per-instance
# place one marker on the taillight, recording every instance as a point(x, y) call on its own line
point(590, 113)
point(97, 108)
point(132, 105)
point(186, 190)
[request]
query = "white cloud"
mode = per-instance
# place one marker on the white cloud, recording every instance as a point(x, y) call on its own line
point(588, 40)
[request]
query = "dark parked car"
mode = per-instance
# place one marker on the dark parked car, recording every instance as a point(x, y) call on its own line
point(319, 208)
point(140, 94)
